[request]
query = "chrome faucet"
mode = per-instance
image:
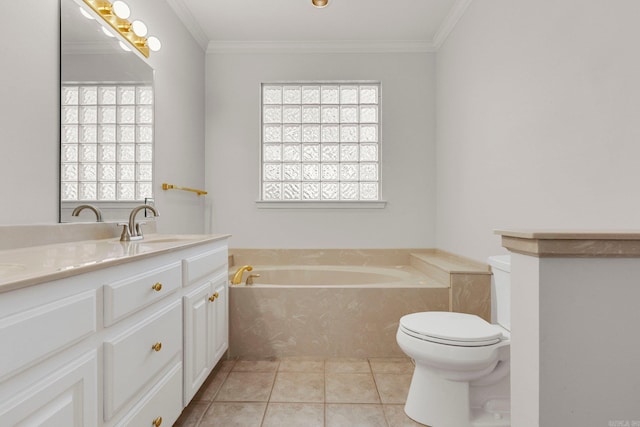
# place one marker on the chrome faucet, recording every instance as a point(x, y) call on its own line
point(132, 230)
point(95, 210)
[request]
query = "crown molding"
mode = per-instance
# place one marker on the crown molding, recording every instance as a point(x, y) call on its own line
point(342, 46)
point(189, 22)
point(450, 22)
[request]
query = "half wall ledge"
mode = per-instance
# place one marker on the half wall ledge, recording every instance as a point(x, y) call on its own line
point(572, 243)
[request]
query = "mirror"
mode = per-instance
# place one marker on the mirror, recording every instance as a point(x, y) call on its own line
point(106, 134)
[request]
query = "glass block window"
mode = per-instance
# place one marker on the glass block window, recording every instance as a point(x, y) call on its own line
point(320, 141)
point(106, 142)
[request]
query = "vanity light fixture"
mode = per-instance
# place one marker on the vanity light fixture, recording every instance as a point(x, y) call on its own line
point(107, 32)
point(319, 3)
point(139, 28)
point(121, 9)
point(86, 14)
point(116, 14)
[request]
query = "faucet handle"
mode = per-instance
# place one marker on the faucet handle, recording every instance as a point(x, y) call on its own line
point(139, 228)
point(126, 233)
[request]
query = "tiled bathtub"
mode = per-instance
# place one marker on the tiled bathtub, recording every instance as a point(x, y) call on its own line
point(329, 303)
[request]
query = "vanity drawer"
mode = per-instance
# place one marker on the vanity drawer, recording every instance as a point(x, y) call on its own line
point(162, 404)
point(200, 266)
point(131, 361)
point(35, 334)
point(127, 296)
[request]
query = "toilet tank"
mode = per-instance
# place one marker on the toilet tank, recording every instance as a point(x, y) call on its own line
point(501, 290)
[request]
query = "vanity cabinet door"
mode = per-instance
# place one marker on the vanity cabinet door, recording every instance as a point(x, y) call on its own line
point(67, 397)
point(198, 338)
point(206, 332)
point(221, 316)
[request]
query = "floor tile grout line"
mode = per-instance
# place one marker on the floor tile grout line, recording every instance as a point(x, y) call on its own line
point(276, 373)
point(201, 417)
point(273, 384)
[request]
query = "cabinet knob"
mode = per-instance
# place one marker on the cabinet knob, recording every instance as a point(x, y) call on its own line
point(213, 297)
point(157, 347)
point(157, 287)
point(157, 422)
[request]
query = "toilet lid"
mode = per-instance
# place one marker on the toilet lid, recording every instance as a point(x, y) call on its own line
point(451, 328)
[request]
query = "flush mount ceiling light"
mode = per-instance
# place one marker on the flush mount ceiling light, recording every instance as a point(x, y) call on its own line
point(320, 3)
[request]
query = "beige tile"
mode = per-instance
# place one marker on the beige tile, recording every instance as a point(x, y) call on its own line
point(348, 365)
point(471, 293)
point(350, 388)
point(294, 415)
point(391, 365)
point(298, 387)
point(191, 414)
point(225, 365)
point(246, 387)
point(211, 386)
point(349, 415)
point(234, 415)
point(256, 366)
point(301, 364)
point(397, 418)
point(393, 388)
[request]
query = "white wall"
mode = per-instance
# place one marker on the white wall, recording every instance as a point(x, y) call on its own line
point(29, 115)
point(407, 146)
point(538, 105)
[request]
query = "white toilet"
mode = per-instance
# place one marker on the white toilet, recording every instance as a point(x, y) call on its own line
point(461, 377)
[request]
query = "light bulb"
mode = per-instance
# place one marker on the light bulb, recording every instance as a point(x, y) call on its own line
point(121, 9)
point(107, 32)
point(154, 43)
point(85, 13)
point(124, 47)
point(320, 3)
point(139, 28)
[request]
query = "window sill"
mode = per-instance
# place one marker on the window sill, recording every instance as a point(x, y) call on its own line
point(313, 204)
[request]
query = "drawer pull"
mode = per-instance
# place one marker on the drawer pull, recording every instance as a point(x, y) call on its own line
point(157, 287)
point(213, 297)
point(157, 346)
point(157, 422)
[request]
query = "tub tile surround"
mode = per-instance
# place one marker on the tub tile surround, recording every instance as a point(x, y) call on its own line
point(343, 321)
point(321, 392)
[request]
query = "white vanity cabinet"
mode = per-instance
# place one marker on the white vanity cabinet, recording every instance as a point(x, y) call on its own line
point(108, 346)
point(47, 375)
point(206, 317)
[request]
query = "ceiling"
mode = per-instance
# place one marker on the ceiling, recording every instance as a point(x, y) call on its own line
point(297, 21)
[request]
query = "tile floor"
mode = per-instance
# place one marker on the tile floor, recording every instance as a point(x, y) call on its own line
point(303, 392)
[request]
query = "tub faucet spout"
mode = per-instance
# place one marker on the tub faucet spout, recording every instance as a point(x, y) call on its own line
point(237, 278)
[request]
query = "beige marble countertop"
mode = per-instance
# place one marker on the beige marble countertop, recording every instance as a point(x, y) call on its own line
point(38, 264)
point(572, 243)
point(572, 234)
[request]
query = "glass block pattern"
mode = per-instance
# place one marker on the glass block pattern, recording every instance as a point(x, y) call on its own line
point(106, 142)
point(320, 141)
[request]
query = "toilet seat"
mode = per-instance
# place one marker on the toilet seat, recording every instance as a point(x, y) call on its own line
point(458, 329)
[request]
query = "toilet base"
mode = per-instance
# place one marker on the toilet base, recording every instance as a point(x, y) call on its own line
point(438, 402)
